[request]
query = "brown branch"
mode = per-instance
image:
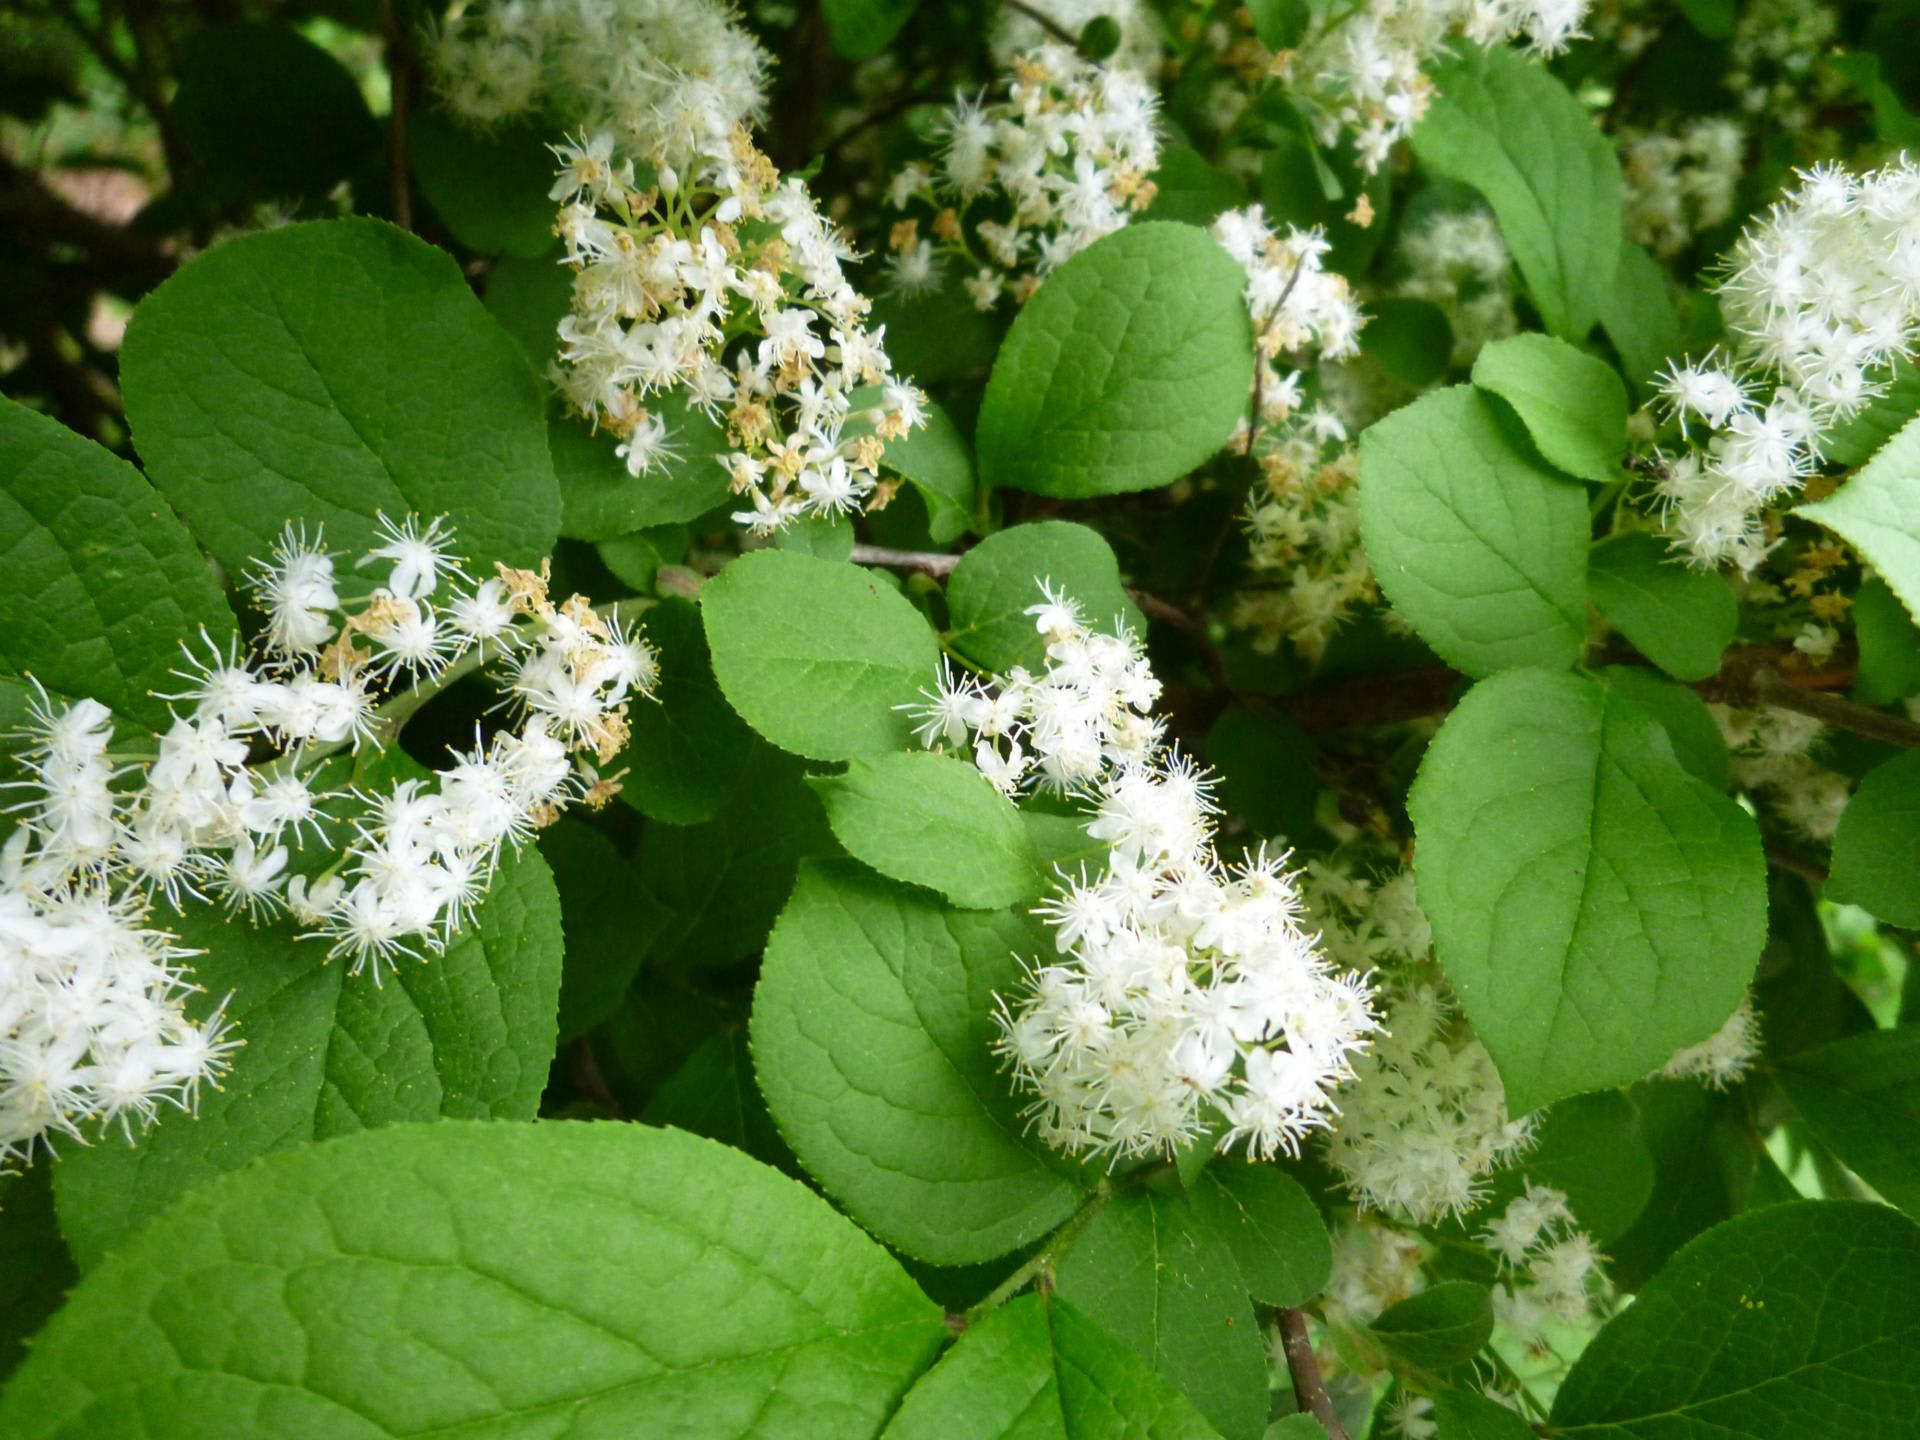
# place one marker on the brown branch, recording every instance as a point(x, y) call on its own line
point(400, 76)
point(1309, 1390)
point(933, 562)
point(1195, 629)
point(1764, 685)
point(1782, 858)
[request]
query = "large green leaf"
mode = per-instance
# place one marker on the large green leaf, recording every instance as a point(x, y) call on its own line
point(1443, 1326)
point(470, 1034)
point(1594, 905)
point(1877, 844)
point(1857, 440)
point(1703, 1172)
point(1272, 1226)
point(687, 747)
point(1889, 644)
point(1680, 618)
point(608, 918)
point(935, 821)
point(519, 1282)
point(1128, 368)
point(601, 499)
point(872, 1036)
point(1793, 1321)
point(102, 584)
point(1874, 512)
point(1590, 1149)
point(937, 461)
point(489, 189)
point(35, 1270)
point(1478, 545)
point(326, 372)
point(1638, 315)
point(1573, 405)
point(1507, 127)
point(1037, 1369)
point(1861, 1099)
point(1150, 1269)
point(1682, 714)
point(999, 579)
point(815, 654)
point(1469, 1415)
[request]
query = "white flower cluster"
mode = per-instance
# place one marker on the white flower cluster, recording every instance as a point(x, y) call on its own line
point(1085, 714)
point(1295, 302)
point(667, 280)
point(92, 1030)
point(1375, 1266)
point(662, 75)
point(1822, 295)
point(208, 818)
point(1425, 1120)
point(1776, 52)
point(1457, 260)
point(1725, 1056)
point(1360, 70)
point(1059, 163)
point(1550, 1268)
point(1189, 998)
point(1675, 186)
point(1771, 760)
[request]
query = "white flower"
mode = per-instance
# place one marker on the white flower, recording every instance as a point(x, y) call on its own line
point(1725, 1056)
point(419, 555)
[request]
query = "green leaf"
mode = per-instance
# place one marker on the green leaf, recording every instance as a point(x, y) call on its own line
point(1280, 23)
point(469, 1034)
point(1856, 441)
point(1697, 740)
point(1703, 1170)
point(872, 1036)
point(1151, 1271)
point(1272, 1226)
point(599, 499)
point(1411, 340)
point(636, 559)
point(1794, 1321)
point(1038, 1369)
point(528, 298)
point(1296, 1427)
point(861, 29)
point(1469, 1415)
point(1439, 1328)
point(936, 334)
point(489, 189)
point(688, 747)
point(1507, 127)
point(35, 1270)
point(1889, 666)
point(935, 821)
point(818, 536)
point(1802, 999)
point(1712, 18)
point(609, 922)
point(816, 655)
point(1638, 315)
point(1877, 846)
point(267, 113)
point(937, 462)
point(1861, 1099)
point(1127, 369)
point(713, 1094)
point(1573, 405)
point(517, 1281)
point(1590, 1149)
point(1190, 190)
point(1481, 548)
point(1595, 906)
point(327, 372)
point(724, 880)
point(1874, 512)
point(1892, 121)
point(996, 581)
point(1680, 618)
point(102, 584)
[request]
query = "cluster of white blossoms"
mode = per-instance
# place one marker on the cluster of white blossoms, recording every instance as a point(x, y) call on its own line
point(1550, 1268)
point(1085, 714)
point(1425, 1120)
point(1675, 186)
point(1358, 72)
point(1297, 305)
point(723, 286)
point(661, 75)
point(92, 1027)
point(1457, 260)
point(1822, 295)
point(1188, 998)
point(1724, 1057)
point(1026, 182)
point(1771, 760)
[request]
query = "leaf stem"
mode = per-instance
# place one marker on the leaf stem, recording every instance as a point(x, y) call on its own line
point(1309, 1390)
point(1038, 1267)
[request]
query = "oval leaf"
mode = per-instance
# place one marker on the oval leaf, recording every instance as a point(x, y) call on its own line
point(326, 372)
point(1680, 618)
point(1874, 512)
point(1480, 547)
point(1273, 1227)
point(1861, 1099)
point(996, 581)
point(1595, 906)
point(815, 654)
point(1877, 844)
point(1573, 405)
point(1128, 368)
point(517, 1281)
point(872, 1036)
point(1440, 1327)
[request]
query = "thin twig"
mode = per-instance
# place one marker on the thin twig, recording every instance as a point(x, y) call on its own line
point(400, 113)
point(1038, 1267)
point(1309, 1390)
point(1154, 608)
point(1045, 21)
point(1782, 858)
point(933, 562)
point(1770, 687)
